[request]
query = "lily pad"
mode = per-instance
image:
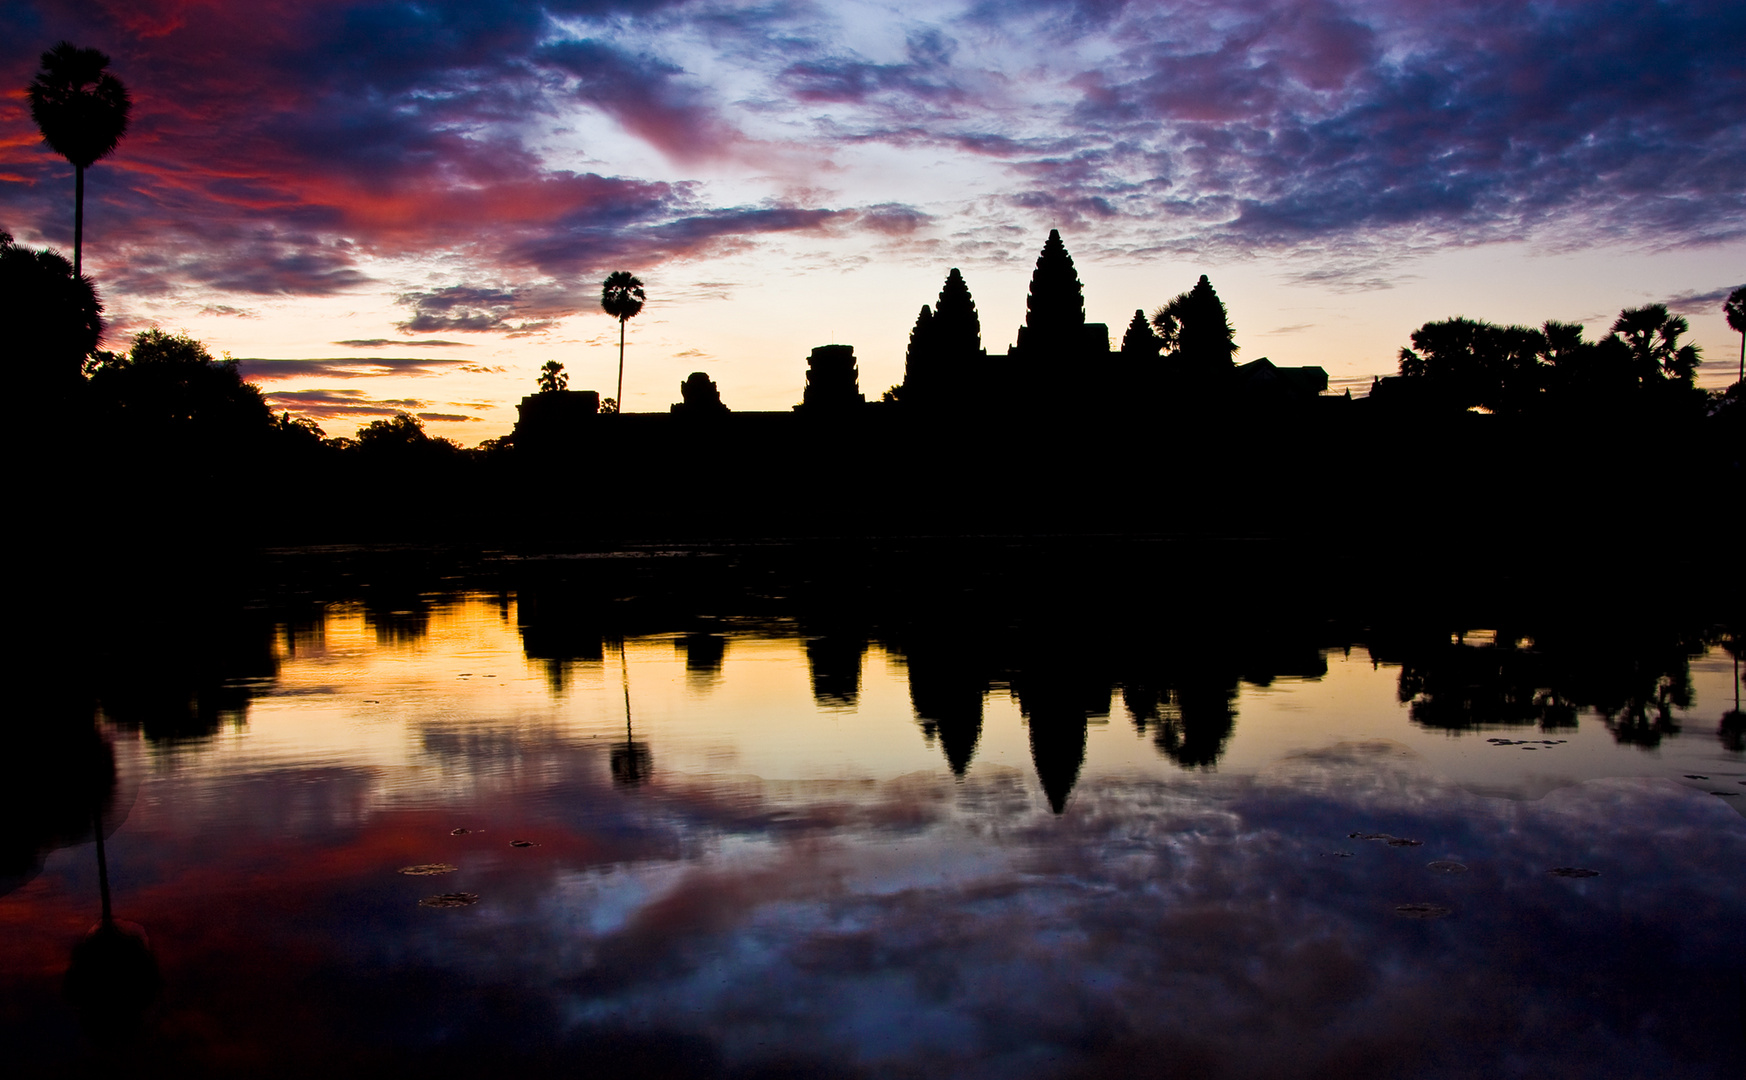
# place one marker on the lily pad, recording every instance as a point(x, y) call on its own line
point(459, 832)
point(450, 900)
point(1391, 841)
point(1422, 911)
point(1572, 871)
point(522, 843)
point(1447, 866)
point(1727, 794)
point(428, 869)
point(1695, 776)
point(1336, 854)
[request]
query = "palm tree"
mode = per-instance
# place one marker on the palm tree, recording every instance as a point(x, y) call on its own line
point(1653, 333)
point(621, 296)
point(1735, 309)
point(81, 111)
point(552, 378)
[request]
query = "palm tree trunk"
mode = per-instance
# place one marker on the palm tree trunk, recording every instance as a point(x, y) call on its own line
point(620, 398)
point(102, 864)
point(78, 216)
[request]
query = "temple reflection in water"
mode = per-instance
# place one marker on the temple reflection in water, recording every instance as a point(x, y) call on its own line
point(945, 818)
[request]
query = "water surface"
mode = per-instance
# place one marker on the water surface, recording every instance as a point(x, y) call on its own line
point(762, 845)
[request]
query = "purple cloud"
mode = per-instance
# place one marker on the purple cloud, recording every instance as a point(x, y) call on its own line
point(360, 367)
point(649, 97)
point(383, 343)
point(289, 148)
point(331, 404)
point(1700, 303)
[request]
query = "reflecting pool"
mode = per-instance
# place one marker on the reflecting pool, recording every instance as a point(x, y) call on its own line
point(458, 832)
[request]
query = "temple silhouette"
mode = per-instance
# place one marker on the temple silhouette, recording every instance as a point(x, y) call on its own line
point(950, 378)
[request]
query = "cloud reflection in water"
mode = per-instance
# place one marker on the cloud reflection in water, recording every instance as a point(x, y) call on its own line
point(927, 912)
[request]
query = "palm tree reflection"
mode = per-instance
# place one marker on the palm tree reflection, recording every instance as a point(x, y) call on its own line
point(1732, 731)
point(630, 760)
point(112, 977)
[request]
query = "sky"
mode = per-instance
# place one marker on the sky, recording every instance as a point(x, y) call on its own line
point(398, 206)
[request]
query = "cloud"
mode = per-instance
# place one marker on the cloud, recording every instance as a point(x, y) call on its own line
point(278, 162)
point(1493, 119)
point(226, 309)
point(383, 343)
point(261, 262)
point(699, 291)
point(892, 219)
point(582, 248)
point(452, 417)
point(1343, 276)
point(358, 367)
point(329, 404)
point(289, 149)
point(1704, 303)
point(473, 309)
point(649, 97)
point(924, 77)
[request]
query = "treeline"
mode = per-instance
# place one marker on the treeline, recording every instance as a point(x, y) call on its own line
point(1641, 364)
point(1167, 437)
point(167, 392)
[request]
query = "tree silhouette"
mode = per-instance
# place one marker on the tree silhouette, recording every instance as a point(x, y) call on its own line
point(1653, 336)
point(1469, 362)
point(1574, 370)
point(82, 112)
point(1167, 323)
point(299, 431)
point(1735, 310)
point(552, 377)
point(52, 316)
point(621, 296)
point(168, 407)
point(402, 437)
point(1561, 340)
